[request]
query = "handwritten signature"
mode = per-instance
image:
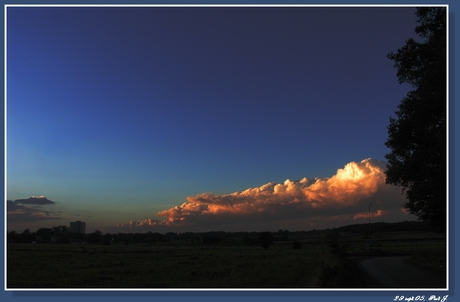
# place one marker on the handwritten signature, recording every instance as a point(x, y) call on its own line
point(421, 298)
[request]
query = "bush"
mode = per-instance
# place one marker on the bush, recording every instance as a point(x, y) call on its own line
point(266, 239)
point(297, 245)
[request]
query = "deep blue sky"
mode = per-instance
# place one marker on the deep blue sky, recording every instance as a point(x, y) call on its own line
point(118, 113)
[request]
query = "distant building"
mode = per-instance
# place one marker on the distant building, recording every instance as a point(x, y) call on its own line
point(77, 227)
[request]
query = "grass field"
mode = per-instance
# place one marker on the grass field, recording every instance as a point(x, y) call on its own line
point(134, 267)
point(166, 266)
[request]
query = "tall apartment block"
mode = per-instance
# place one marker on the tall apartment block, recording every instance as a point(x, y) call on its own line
point(77, 227)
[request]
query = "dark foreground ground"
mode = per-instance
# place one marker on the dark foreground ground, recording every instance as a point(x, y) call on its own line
point(322, 261)
point(400, 272)
point(66, 267)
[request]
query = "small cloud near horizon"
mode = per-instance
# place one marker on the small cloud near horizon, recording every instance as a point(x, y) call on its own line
point(354, 194)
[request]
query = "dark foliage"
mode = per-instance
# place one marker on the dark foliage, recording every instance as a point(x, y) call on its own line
point(266, 239)
point(95, 237)
point(211, 240)
point(60, 234)
point(417, 137)
point(336, 248)
point(345, 274)
point(296, 245)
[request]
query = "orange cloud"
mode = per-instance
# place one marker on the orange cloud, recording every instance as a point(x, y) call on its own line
point(352, 187)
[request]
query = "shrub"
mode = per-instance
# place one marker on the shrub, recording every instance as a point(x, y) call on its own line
point(266, 239)
point(296, 245)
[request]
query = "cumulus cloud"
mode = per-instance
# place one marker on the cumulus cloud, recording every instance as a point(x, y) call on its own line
point(342, 198)
point(30, 210)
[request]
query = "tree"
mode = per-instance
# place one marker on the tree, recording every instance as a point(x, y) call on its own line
point(44, 235)
point(13, 237)
point(266, 239)
point(95, 237)
point(417, 138)
point(61, 230)
point(296, 245)
point(27, 236)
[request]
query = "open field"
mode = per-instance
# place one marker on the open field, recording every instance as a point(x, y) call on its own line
point(185, 265)
point(158, 267)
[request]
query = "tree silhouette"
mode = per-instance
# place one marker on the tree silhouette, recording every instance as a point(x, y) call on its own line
point(266, 239)
point(417, 138)
point(95, 237)
point(27, 236)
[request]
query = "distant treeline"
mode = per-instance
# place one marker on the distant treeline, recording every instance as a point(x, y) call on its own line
point(62, 235)
point(380, 227)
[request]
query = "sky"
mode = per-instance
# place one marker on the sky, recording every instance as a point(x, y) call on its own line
point(160, 119)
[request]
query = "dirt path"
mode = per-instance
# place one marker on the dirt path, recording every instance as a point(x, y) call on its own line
point(399, 272)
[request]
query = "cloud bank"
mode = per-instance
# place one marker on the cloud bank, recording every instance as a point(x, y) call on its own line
point(42, 200)
point(344, 198)
point(30, 210)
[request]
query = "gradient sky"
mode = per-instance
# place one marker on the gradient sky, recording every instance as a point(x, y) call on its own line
point(160, 118)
